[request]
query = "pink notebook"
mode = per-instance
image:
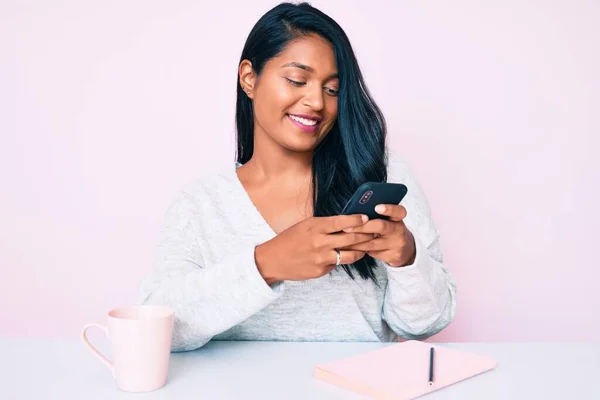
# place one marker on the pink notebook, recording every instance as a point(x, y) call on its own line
point(401, 371)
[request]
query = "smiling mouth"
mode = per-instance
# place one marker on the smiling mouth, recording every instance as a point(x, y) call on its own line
point(305, 124)
point(303, 121)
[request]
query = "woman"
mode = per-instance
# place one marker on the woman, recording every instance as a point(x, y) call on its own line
point(259, 251)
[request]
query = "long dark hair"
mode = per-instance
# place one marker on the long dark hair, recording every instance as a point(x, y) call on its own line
point(354, 151)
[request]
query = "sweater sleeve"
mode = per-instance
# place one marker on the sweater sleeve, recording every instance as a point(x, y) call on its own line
point(206, 299)
point(420, 299)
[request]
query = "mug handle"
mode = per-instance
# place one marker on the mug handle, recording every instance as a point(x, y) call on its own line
point(85, 340)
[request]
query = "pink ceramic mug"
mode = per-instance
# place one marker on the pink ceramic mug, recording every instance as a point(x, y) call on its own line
point(140, 341)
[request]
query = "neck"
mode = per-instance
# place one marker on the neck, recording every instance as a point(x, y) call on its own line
point(271, 161)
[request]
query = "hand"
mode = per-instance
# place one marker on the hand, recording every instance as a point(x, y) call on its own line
point(306, 250)
point(393, 242)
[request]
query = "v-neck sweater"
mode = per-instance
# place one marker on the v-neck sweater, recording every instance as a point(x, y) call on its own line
point(205, 270)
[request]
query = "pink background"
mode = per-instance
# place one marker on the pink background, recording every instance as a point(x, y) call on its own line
point(108, 108)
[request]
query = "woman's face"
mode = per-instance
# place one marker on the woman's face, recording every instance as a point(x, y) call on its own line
point(295, 98)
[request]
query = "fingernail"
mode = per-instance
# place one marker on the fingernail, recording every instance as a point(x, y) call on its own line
point(364, 218)
point(348, 230)
point(380, 208)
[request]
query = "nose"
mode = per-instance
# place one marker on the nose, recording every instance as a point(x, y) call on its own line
point(314, 98)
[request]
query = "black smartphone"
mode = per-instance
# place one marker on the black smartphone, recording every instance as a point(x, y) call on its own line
point(369, 194)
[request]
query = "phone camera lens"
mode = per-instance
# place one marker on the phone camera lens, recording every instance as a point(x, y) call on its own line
point(365, 197)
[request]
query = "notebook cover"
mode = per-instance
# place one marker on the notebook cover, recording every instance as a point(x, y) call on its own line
point(401, 371)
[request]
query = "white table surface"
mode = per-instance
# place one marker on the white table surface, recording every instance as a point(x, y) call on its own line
point(32, 368)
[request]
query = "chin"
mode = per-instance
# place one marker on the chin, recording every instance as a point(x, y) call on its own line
point(300, 148)
point(299, 143)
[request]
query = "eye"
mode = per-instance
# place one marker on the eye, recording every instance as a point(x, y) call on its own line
point(295, 83)
point(332, 92)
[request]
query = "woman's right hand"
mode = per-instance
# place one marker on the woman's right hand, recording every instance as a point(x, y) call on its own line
point(306, 250)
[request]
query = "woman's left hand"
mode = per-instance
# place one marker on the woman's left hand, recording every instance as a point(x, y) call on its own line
point(393, 242)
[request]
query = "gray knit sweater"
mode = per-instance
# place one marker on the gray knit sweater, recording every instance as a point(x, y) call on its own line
point(205, 271)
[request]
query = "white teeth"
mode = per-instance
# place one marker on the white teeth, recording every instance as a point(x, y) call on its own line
point(308, 122)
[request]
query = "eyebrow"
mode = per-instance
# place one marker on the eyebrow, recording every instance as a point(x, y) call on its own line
point(295, 64)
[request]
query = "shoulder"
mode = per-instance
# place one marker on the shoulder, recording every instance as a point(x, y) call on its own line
point(208, 189)
point(212, 182)
point(397, 169)
point(399, 172)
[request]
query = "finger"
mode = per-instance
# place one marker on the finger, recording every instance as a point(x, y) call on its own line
point(338, 223)
point(379, 226)
point(389, 256)
point(340, 240)
point(351, 256)
point(371, 245)
point(378, 254)
point(347, 256)
point(396, 212)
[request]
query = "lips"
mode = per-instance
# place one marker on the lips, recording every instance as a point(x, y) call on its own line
point(310, 117)
point(303, 127)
